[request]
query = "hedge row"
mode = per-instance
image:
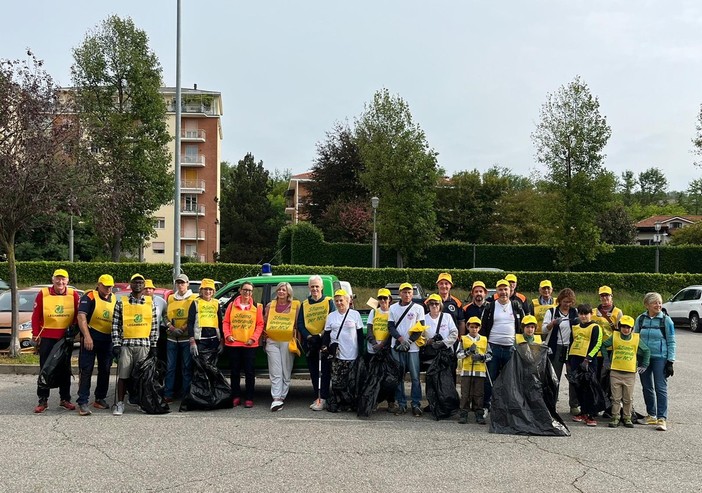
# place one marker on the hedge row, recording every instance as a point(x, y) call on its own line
point(304, 244)
point(88, 272)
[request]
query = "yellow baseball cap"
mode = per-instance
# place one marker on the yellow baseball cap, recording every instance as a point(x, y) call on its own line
point(136, 276)
point(605, 290)
point(511, 278)
point(474, 320)
point(545, 284)
point(445, 276)
point(406, 285)
point(384, 292)
point(502, 282)
point(106, 280)
point(340, 292)
point(148, 283)
point(529, 319)
point(61, 273)
point(207, 284)
point(478, 284)
point(626, 320)
point(434, 297)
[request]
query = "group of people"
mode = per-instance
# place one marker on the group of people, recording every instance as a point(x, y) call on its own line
point(480, 336)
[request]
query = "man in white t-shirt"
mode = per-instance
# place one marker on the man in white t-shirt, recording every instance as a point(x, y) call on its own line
point(403, 316)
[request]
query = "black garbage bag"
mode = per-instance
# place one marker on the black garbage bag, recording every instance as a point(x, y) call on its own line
point(606, 386)
point(524, 395)
point(57, 365)
point(147, 381)
point(588, 388)
point(344, 385)
point(209, 388)
point(378, 377)
point(441, 387)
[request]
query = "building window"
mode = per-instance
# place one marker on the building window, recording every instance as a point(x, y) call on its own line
point(160, 223)
point(676, 225)
point(159, 247)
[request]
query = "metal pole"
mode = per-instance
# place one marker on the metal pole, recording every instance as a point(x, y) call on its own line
point(658, 257)
point(70, 241)
point(474, 255)
point(375, 243)
point(176, 199)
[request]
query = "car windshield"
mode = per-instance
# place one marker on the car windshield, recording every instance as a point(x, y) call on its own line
point(26, 301)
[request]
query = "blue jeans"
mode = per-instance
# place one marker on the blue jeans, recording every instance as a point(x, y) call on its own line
point(655, 388)
point(500, 357)
point(173, 349)
point(102, 349)
point(408, 361)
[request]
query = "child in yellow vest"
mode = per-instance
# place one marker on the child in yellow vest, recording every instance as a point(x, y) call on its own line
point(528, 332)
point(627, 349)
point(586, 340)
point(473, 353)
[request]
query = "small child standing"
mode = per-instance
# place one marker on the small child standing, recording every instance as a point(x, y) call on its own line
point(473, 353)
point(528, 328)
point(627, 348)
point(586, 340)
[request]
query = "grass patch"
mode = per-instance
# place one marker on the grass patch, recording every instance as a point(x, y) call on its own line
point(22, 359)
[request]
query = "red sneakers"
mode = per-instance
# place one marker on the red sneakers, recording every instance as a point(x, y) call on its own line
point(579, 418)
point(41, 407)
point(590, 421)
point(248, 404)
point(236, 401)
point(67, 405)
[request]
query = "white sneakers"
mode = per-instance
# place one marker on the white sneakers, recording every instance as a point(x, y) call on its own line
point(277, 405)
point(119, 409)
point(319, 405)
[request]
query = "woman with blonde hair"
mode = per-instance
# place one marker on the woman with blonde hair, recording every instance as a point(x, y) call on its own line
point(281, 339)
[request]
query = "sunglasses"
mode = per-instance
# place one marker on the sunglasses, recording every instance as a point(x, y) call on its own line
point(434, 303)
point(383, 298)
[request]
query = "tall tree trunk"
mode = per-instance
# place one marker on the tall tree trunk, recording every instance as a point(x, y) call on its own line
point(400, 261)
point(116, 249)
point(9, 247)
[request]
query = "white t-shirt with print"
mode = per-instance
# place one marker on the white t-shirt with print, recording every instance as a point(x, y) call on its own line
point(346, 337)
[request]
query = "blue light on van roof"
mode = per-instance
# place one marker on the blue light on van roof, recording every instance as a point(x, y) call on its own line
point(266, 270)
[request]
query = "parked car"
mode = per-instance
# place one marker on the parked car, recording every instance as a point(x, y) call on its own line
point(685, 308)
point(418, 296)
point(3, 285)
point(26, 305)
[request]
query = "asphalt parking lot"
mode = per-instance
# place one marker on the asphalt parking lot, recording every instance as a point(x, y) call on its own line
point(300, 450)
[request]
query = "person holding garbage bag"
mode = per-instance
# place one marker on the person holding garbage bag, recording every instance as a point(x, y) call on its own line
point(205, 322)
point(582, 364)
point(280, 318)
point(473, 353)
point(343, 343)
point(440, 334)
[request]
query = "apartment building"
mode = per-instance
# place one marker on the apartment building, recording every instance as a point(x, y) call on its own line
point(201, 138)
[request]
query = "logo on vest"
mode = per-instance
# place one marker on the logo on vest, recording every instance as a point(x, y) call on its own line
point(138, 318)
point(58, 309)
point(180, 313)
point(105, 314)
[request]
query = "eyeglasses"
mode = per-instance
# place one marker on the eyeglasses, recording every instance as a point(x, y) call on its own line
point(247, 290)
point(381, 298)
point(433, 303)
point(180, 282)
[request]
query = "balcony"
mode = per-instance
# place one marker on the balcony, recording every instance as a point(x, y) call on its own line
point(189, 234)
point(197, 135)
point(192, 210)
point(192, 186)
point(194, 108)
point(192, 161)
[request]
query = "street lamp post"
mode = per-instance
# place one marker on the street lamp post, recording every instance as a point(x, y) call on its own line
point(70, 241)
point(374, 203)
point(657, 241)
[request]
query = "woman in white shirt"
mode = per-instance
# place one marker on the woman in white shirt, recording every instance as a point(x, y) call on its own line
point(437, 322)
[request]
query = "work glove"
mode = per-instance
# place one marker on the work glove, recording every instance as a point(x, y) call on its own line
point(472, 349)
point(668, 369)
point(371, 339)
point(607, 365)
point(177, 333)
point(438, 344)
point(478, 357)
point(115, 351)
point(403, 346)
point(585, 365)
point(193, 349)
point(641, 369)
point(153, 352)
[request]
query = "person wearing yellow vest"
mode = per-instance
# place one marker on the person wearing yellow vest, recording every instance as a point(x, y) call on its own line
point(528, 328)
point(310, 323)
point(242, 327)
point(134, 334)
point(205, 322)
point(177, 343)
point(544, 301)
point(473, 354)
point(629, 356)
point(161, 315)
point(586, 341)
point(607, 316)
point(95, 323)
point(55, 310)
point(378, 335)
point(280, 318)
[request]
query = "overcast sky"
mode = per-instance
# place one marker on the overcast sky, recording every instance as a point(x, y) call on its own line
point(475, 73)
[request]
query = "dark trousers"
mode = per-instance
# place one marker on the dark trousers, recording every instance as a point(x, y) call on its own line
point(65, 382)
point(102, 350)
point(242, 357)
point(500, 357)
point(586, 404)
point(313, 366)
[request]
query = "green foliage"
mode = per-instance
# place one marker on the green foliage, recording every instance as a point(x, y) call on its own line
point(117, 80)
point(689, 235)
point(639, 212)
point(400, 169)
point(616, 226)
point(653, 187)
point(347, 221)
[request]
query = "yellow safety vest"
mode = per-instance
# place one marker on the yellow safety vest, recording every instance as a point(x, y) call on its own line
point(280, 326)
point(178, 311)
point(624, 352)
point(243, 322)
point(101, 319)
point(59, 310)
point(207, 313)
point(315, 315)
point(380, 325)
point(581, 340)
point(136, 319)
point(519, 338)
point(481, 347)
point(604, 324)
point(540, 311)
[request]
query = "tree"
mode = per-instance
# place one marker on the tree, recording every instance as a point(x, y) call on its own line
point(250, 223)
point(336, 174)
point(347, 221)
point(693, 197)
point(570, 139)
point(117, 80)
point(38, 172)
point(616, 226)
point(627, 187)
point(689, 235)
point(401, 170)
point(653, 187)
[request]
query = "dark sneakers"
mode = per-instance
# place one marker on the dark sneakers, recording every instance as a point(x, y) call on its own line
point(417, 411)
point(100, 404)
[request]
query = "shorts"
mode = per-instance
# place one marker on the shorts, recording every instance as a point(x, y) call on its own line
point(128, 358)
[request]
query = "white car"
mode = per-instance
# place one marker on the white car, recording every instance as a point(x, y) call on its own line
point(685, 308)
